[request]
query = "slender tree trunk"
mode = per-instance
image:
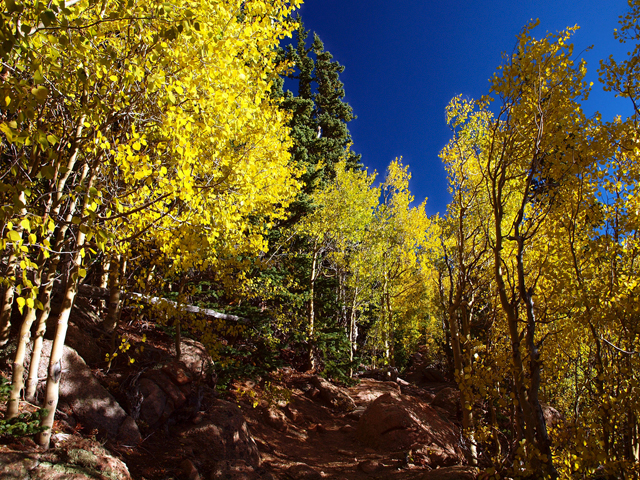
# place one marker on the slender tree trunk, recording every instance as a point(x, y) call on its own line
point(514, 334)
point(104, 279)
point(147, 286)
point(118, 266)
point(55, 361)
point(494, 423)
point(47, 282)
point(7, 299)
point(10, 273)
point(603, 410)
point(454, 312)
point(353, 330)
point(117, 272)
point(467, 405)
point(36, 351)
point(634, 436)
point(18, 363)
point(311, 311)
point(178, 322)
point(391, 350)
point(542, 436)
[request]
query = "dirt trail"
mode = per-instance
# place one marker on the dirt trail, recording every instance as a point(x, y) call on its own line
point(325, 439)
point(299, 435)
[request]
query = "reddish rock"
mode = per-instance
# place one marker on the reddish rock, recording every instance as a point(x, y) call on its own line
point(128, 433)
point(276, 419)
point(178, 372)
point(195, 357)
point(313, 393)
point(449, 399)
point(84, 344)
point(198, 418)
point(347, 429)
point(357, 413)
point(173, 393)
point(433, 375)
point(233, 470)
point(457, 472)
point(154, 403)
point(369, 389)
point(88, 401)
point(302, 471)
point(294, 415)
point(334, 396)
point(81, 459)
point(222, 436)
point(189, 470)
point(369, 467)
point(393, 423)
point(316, 428)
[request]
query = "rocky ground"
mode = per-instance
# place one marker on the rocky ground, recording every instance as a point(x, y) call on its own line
point(159, 419)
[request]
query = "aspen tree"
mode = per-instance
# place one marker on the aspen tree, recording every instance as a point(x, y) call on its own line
point(173, 121)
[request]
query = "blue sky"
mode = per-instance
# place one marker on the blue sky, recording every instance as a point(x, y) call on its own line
point(405, 59)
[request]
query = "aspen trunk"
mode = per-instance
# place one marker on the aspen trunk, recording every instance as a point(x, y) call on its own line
point(36, 352)
point(47, 282)
point(311, 312)
point(7, 298)
point(539, 424)
point(516, 356)
point(17, 376)
point(118, 267)
point(178, 324)
point(459, 365)
point(147, 286)
point(466, 396)
point(118, 270)
point(353, 331)
point(104, 279)
point(54, 371)
point(390, 338)
point(42, 316)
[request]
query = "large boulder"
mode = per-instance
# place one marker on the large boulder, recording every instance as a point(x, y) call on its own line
point(84, 344)
point(401, 423)
point(368, 389)
point(334, 396)
point(449, 399)
point(195, 357)
point(89, 402)
point(167, 395)
point(433, 375)
point(73, 459)
point(154, 409)
point(221, 438)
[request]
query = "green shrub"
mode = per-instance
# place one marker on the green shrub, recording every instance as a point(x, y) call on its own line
point(24, 424)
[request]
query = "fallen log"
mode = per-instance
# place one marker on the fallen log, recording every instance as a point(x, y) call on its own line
point(103, 293)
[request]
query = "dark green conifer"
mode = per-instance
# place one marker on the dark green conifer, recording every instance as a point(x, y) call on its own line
point(319, 113)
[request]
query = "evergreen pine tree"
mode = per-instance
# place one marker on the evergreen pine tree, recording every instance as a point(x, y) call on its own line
point(331, 112)
point(321, 138)
point(319, 114)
